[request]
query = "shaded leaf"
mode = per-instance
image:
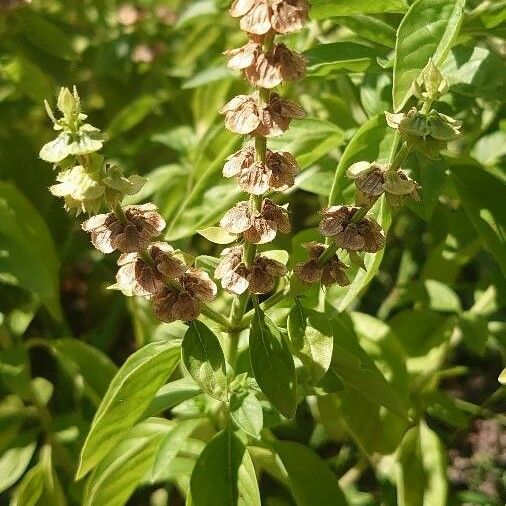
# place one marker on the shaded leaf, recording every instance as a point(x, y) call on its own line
point(309, 478)
point(21, 263)
point(130, 393)
point(428, 30)
point(321, 9)
point(203, 358)
point(224, 474)
point(272, 364)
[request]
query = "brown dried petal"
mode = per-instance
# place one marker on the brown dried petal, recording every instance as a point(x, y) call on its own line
point(272, 123)
point(101, 227)
point(276, 214)
point(283, 167)
point(292, 66)
point(254, 179)
point(236, 280)
point(333, 272)
point(143, 223)
point(163, 303)
point(286, 108)
point(263, 73)
point(240, 160)
point(264, 272)
point(260, 281)
point(350, 238)
point(372, 182)
point(309, 272)
point(241, 7)
point(261, 230)
point(231, 258)
point(243, 57)
point(314, 249)
point(186, 307)
point(335, 219)
point(373, 237)
point(198, 283)
point(257, 20)
point(167, 263)
point(241, 114)
point(289, 16)
point(237, 219)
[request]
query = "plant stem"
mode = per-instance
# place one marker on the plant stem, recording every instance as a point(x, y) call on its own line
point(215, 316)
point(267, 304)
point(240, 302)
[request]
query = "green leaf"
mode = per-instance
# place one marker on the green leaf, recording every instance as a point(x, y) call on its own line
point(15, 370)
point(428, 30)
point(422, 469)
point(45, 35)
point(86, 365)
point(16, 457)
point(29, 78)
point(132, 114)
point(224, 474)
point(309, 140)
point(203, 358)
point(117, 476)
point(322, 9)
point(246, 412)
point(312, 341)
point(369, 28)
point(328, 59)
point(217, 235)
point(27, 253)
point(207, 76)
point(171, 395)
point(29, 491)
point(481, 194)
point(171, 445)
point(130, 393)
point(272, 364)
point(476, 71)
point(376, 430)
point(355, 368)
point(53, 493)
point(310, 479)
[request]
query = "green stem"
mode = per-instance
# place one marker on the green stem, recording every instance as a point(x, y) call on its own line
point(120, 214)
point(270, 302)
point(215, 316)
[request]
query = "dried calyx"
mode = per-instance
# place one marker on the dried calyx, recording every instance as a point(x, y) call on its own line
point(329, 273)
point(261, 16)
point(147, 267)
point(373, 180)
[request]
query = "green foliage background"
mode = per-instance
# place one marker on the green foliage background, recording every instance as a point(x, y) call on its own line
point(426, 337)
